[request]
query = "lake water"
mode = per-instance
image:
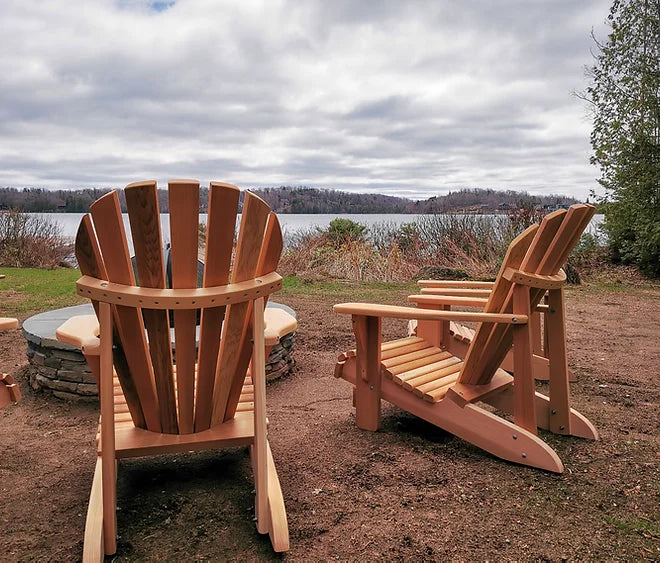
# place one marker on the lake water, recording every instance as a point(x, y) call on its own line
point(291, 223)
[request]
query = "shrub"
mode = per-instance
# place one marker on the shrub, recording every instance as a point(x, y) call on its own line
point(342, 231)
point(459, 245)
point(30, 241)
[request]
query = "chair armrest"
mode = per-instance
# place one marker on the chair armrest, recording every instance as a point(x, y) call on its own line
point(458, 284)
point(456, 292)
point(7, 323)
point(81, 331)
point(396, 312)
point(457, 301)
point(277, 323)
point(448, 300)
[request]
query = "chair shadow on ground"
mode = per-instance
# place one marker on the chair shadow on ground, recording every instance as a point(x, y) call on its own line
point(159, 497)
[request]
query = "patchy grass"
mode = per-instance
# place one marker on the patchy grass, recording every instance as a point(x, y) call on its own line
point(29, 290)
point(642, 526)
point(345, 290)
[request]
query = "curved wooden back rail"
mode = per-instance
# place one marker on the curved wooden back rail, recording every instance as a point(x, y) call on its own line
point(203, 386)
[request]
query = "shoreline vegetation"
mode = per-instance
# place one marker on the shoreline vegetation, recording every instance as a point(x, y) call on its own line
point(452, 243)
point(441, 246)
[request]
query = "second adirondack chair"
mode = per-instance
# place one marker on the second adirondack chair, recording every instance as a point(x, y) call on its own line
point(419, 376)
point(158, 398)
point(9, 390)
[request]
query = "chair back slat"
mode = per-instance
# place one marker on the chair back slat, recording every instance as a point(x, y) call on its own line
point(106, 214)
point(577, 219)
point(546, 253)
point(234, 330)
point(144, 217)
point(184, 235)
point(220, 230)
point(91, 263)
point(514, 256)
point(269, 257)
point(88, 254)
point(501, 335)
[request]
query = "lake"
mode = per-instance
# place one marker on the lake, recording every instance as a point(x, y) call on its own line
point(291, 223)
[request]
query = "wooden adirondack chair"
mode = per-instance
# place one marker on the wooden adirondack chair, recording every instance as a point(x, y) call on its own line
point(443, 295)
point(9, 390)
point(159, 400)
point(418, 375)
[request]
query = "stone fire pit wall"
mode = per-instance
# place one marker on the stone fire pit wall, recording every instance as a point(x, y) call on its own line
point(62, 369)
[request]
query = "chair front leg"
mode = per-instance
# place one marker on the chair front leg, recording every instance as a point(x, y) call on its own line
point(108, 465)
point(260, 430)
point(367, 382)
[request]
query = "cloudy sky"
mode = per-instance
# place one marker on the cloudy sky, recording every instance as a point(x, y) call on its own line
point(401, 97)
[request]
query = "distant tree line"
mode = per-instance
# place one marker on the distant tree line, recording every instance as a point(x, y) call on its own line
point(301, 199)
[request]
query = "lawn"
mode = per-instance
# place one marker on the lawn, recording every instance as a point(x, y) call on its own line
point(25, 291)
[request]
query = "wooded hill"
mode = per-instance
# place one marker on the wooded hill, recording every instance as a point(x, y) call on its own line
point(301, 199)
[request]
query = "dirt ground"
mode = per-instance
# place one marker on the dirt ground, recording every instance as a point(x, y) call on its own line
point(409, 491)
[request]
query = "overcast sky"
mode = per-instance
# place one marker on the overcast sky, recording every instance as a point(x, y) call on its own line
point(406, 98)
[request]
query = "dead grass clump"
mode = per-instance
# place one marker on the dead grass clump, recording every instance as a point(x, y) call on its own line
point(473, 244)
point(30, 241)
point(389, 252)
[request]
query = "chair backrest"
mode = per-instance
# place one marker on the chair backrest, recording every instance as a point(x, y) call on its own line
point(541, 249)
point(199, 384)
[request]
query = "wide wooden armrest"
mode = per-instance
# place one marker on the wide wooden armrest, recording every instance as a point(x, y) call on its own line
point(397, 312)
point(456, 292)
point(277, 323)
point(81, 331)
point(448, 300)
point(456, 301)
point(458, 284)
point(7, 323)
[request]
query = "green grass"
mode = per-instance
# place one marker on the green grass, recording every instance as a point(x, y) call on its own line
point(344, 290)
point(30, 290)
point(641, 526)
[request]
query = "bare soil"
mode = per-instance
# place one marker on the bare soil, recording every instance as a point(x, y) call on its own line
point(409, 491)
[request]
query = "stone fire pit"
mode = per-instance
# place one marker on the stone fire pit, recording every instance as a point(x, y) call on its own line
point(62, 369)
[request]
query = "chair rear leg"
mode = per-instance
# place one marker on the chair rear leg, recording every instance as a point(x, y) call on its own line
point(94, 546)
point(581, 427)
point(279, 528)
point(560, 419)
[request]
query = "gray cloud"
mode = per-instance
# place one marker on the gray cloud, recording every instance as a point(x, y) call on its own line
point(408, 98)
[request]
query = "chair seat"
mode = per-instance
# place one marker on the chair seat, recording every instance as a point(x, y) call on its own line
point(461, 333)
point(419, 367)
point(425, 370)
point(127, 436)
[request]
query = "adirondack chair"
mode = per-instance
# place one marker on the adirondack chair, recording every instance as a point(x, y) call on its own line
point(163, 400)
point(445, 294)
point(419, 376)
point(9, 390)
